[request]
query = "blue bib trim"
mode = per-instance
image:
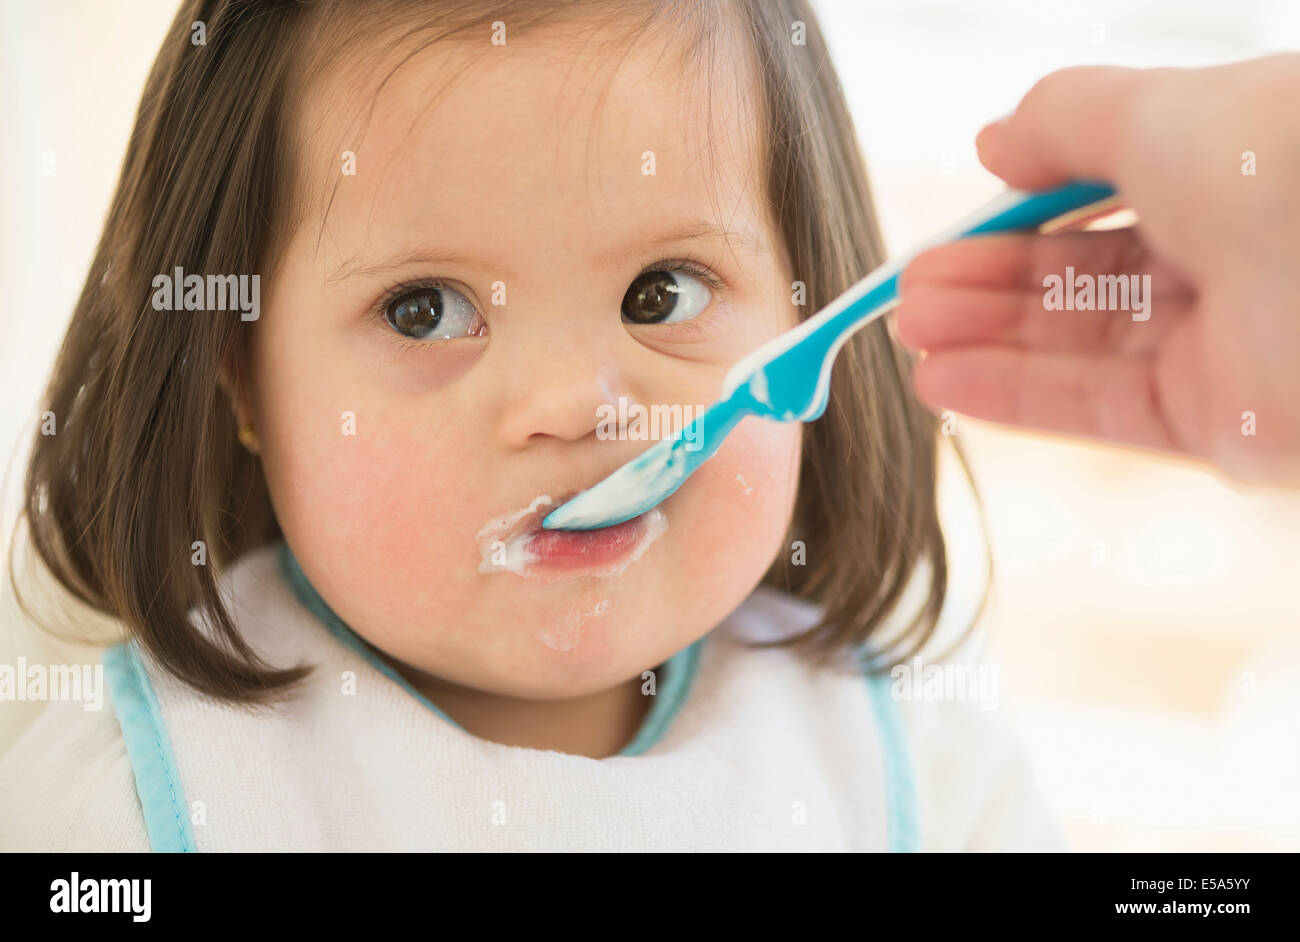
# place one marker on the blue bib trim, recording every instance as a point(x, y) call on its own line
point(679, 670)
point(902, 831)
point(297, 580)
point(679, 674)
point(158, 783)
point(157, 780)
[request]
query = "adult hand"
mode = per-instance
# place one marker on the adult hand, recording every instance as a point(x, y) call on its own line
point(1209, 158)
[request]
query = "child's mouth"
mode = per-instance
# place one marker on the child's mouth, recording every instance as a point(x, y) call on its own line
point(515, 542)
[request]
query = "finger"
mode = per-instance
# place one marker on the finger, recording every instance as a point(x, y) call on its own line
point(941, 316)
point(1071, 124)
point(1024, 259)
point(1102, 397)
point(996, 289)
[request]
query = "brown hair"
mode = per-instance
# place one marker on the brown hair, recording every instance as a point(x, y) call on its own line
point(146, 461)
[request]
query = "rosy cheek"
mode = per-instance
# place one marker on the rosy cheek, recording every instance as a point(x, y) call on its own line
point(760, 461)
point(370, 502)
point(735, 510)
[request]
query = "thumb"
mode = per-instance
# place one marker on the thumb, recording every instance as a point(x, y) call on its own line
point(1072, 124)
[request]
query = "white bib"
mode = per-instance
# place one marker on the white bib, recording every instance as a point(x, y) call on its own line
point(744, 749)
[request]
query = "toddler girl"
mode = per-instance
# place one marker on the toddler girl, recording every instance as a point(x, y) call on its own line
point(478, 231)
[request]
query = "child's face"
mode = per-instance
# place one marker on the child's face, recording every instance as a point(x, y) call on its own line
point(519, 169)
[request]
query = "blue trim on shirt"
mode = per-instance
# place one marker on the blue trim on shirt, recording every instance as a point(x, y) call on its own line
point(901, 817)
point(157, 779)
point(679, 670)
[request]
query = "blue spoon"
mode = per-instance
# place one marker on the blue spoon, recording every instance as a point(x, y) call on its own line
point(788, 378)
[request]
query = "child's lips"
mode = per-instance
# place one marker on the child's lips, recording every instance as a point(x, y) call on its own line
point(577, 549)
point(603, 551)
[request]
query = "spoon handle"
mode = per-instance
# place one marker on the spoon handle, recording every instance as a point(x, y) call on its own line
point(780, 373)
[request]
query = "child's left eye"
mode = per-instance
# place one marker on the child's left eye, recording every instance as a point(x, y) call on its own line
point(668, 294)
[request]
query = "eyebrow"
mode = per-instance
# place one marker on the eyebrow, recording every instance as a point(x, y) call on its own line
point(695, 230)
point(352, 269)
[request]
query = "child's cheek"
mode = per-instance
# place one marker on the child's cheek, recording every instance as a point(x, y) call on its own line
point(376, 505)
point(730, 519)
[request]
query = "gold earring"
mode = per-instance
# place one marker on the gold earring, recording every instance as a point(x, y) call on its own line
point(247, 437)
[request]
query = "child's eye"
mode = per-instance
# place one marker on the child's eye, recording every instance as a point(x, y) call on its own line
point(432, 312)
point(668, 294)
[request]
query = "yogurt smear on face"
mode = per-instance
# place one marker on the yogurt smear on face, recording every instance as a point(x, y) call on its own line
point(503, 545)
point(515, 542)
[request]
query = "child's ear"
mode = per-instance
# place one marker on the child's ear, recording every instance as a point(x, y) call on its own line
point(230, 377)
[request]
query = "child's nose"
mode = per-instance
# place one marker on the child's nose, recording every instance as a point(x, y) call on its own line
point(558, 393)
